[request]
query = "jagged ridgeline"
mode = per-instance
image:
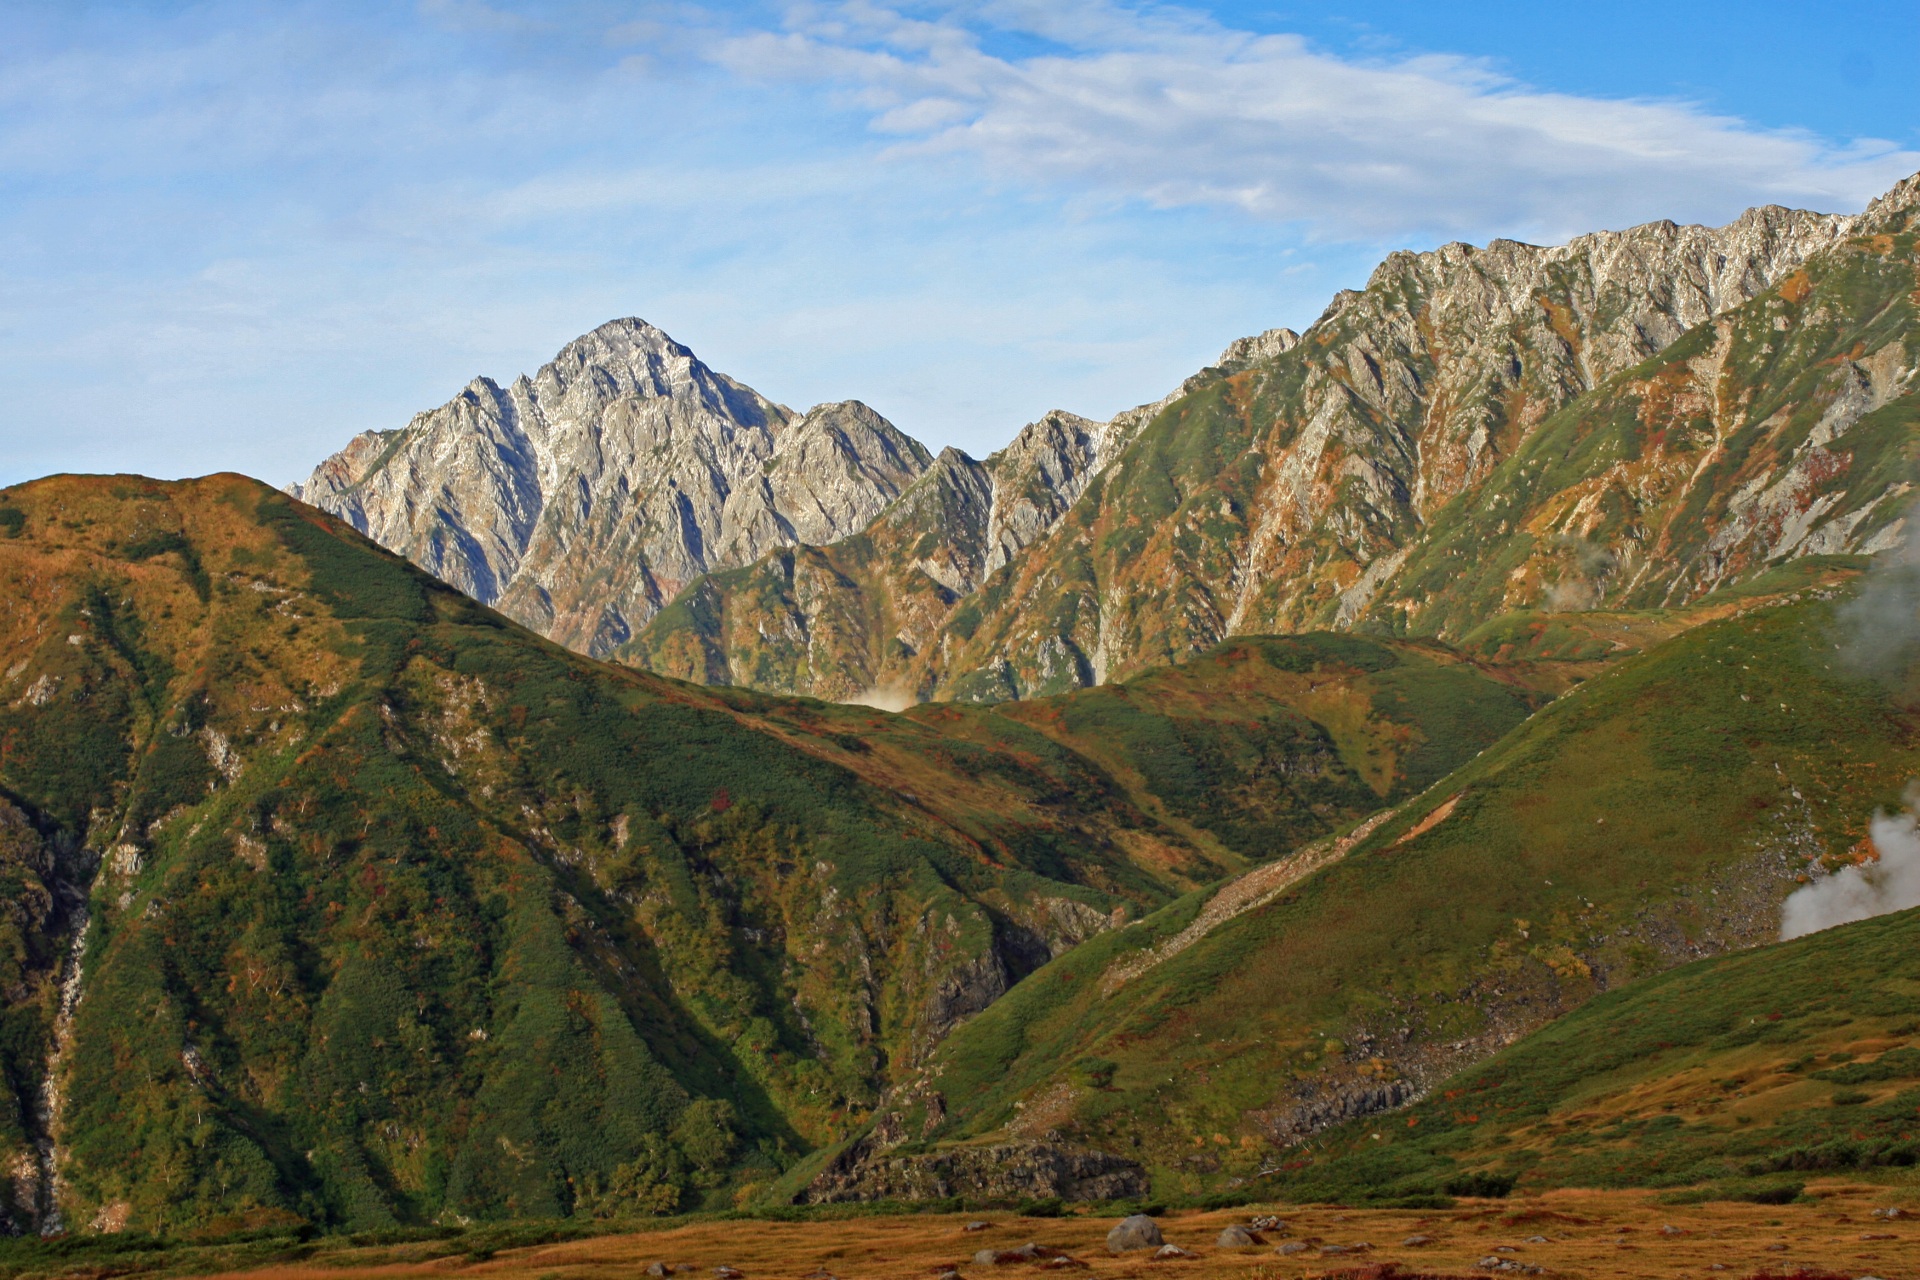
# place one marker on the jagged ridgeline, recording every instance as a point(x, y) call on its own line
point(390, 910)
point(1659, 812)
point(1628, 420)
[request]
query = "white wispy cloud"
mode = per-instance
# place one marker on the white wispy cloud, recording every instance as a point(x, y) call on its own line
point(236, 231)
point(1162, 106)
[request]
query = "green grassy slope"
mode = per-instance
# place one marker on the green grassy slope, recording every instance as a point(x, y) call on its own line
point(1657, 814)
point(1268, 742)
point(398, 911)
point(1738, 1073)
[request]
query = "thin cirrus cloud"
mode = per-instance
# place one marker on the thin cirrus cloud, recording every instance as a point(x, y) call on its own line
point(1168, 108)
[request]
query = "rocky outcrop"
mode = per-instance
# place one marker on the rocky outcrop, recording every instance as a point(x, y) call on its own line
point(1287, 489)
point(580, 500)
point(1001, 1171)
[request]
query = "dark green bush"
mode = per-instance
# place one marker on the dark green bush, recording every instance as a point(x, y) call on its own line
point(1480, 1183)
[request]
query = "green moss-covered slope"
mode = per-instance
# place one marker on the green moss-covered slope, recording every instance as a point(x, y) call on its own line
point(396, 911)
point(1741, 1075)
point(1658, 813)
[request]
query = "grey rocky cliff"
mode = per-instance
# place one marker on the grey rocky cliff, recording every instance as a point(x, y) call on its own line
point(1405, 395)
point(581, 500)
point(1288, 488)
point(1437, 345)
point(583, 505)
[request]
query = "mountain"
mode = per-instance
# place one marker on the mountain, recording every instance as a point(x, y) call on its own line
point(580, 500)
point(842, 621)
point(1658, 813)
point(371, 886)
point(1745, 1073)
point(1627, 420)
point(334, 896)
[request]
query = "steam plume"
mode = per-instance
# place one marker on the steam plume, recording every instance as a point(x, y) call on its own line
point(883, 697)
point(1880, 627)
point(1870, 889)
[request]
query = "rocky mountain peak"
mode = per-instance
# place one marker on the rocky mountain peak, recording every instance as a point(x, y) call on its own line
point(579, 499)
point(1892, 211)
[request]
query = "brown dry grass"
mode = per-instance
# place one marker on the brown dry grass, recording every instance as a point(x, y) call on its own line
point(1587, 1234)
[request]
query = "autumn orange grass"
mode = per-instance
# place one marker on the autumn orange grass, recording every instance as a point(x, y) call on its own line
point(1593, 1234)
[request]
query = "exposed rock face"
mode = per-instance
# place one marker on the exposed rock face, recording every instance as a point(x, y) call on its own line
point(850, 620)
point(1011, 1170)
point(1262, 346)
point(1305, 483)
point(1290, 489)
point(580, 500)
point(1387, 469)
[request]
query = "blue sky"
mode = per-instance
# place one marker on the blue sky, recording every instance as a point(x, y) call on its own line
point(234, 234)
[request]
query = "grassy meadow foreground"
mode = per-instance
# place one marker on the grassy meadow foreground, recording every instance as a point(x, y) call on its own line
point(1836, 1231)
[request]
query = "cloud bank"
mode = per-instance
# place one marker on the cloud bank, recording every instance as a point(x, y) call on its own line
point(1167, 107)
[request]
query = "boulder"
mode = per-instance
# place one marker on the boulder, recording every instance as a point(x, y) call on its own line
point(1238, 1238)
point(1137, 1232)
point(658, 1269)
point(1170, 1253)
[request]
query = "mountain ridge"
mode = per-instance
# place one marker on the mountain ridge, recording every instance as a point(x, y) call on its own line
point(1410, 392)
point(1281, 490)
point(581, 498)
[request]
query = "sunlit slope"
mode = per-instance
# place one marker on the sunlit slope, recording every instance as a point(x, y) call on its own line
point(1657, 814)
point(1270, 741)
point(1783, 427)
point(1479, 431)
point(1738, 1072)
point(397, 910)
